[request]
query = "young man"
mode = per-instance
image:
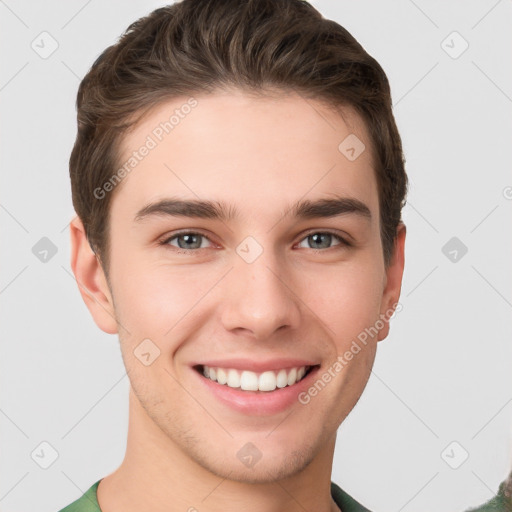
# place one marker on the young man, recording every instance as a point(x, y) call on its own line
point(238, 180)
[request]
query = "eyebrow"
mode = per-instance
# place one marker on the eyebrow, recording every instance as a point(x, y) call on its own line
point(204, 209)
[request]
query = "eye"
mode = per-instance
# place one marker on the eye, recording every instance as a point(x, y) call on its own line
point(322, 240)
point(186, 240)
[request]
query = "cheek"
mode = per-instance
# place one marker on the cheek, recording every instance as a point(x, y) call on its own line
point(347, 298)
point(154, 299)
point(159, 307)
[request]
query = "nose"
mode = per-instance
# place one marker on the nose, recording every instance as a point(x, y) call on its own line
point(260, 297)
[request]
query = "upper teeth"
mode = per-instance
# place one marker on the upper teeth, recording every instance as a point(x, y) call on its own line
point(251, 381)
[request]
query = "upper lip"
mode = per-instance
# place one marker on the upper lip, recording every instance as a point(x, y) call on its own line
point(258, 366)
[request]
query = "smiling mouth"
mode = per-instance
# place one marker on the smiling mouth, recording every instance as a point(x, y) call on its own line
point(255, 382)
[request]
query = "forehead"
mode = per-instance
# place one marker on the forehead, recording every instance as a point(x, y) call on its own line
point(255, 152)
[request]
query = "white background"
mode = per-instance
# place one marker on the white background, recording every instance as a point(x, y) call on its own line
point(443, 374)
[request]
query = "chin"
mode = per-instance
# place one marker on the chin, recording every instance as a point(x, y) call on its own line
point(269, 467)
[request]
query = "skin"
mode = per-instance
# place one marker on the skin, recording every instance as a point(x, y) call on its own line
point(259, 155)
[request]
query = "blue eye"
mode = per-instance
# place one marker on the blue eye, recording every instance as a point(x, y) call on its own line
point(189, 241)
point(322, 239)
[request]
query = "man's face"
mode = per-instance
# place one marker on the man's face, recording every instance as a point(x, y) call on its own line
point(262, 290)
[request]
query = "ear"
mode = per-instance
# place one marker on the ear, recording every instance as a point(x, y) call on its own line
point(91, 279)
point(393, 281)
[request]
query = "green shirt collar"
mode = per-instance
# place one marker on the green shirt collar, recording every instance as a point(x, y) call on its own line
point(88, 502)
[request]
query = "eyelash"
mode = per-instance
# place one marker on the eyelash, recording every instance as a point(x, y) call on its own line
point(165, 242)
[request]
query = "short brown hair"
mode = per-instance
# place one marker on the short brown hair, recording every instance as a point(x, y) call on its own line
point(199, 46)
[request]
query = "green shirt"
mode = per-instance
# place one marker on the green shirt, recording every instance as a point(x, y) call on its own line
point(89, 501)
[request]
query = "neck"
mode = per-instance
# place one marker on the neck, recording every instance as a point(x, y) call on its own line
point(158, 475)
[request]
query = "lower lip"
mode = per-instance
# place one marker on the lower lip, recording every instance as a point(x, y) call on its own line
point(258, 402)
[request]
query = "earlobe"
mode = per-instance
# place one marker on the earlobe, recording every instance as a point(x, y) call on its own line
point(91, 279)
point(393, 281)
